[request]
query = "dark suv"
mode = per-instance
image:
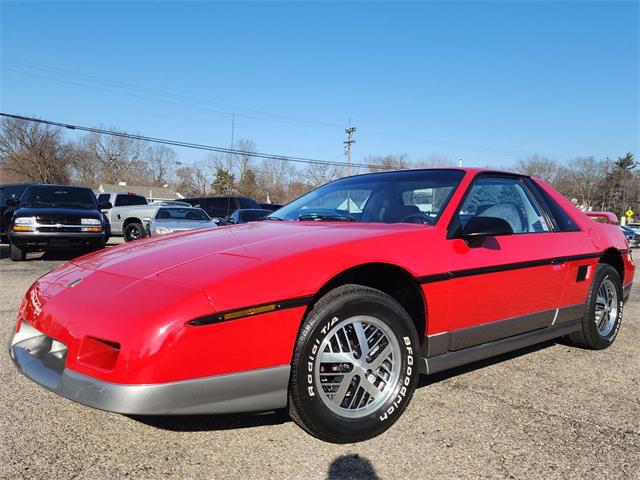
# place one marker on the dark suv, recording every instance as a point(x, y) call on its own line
point(219, 208)
point(8, 192)
point(54, 216)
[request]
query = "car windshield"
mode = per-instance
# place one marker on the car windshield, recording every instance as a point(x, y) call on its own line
point(187, 214)
point(410, 196)
point(54, 196)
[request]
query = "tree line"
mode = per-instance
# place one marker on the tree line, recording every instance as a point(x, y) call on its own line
point(32, 152)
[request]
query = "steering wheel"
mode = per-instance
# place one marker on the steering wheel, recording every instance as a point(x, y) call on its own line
point(421, 218)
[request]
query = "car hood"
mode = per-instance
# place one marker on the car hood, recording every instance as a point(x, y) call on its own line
point(56, 212)
point(190, 257)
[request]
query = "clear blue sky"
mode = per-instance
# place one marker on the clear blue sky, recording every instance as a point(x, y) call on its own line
point(486, 82)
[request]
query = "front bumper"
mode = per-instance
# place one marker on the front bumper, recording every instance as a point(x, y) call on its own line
point(56, 239)
point(42, 359)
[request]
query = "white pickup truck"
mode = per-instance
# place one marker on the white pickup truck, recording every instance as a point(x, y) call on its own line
point(127, 213)
point(124, 215)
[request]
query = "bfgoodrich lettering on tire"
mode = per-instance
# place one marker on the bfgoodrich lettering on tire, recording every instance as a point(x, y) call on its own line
point(355, 365)
point(603, 311)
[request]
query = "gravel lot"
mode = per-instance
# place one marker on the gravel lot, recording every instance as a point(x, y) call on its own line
point(552, 411)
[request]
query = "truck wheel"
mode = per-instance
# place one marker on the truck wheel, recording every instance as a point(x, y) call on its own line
point(355, 365)
point(133, 231)
point(17, 254)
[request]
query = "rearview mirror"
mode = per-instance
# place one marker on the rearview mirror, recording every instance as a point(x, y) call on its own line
point(478, 228)
point(105, 205)
point(12, 202)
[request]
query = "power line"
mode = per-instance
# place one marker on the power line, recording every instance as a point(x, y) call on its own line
point(195, 101)
point(155, 95)
point(178, 143)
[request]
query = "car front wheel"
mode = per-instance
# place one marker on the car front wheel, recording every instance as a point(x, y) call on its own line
point(17, 254)
point(355, 365)
point(603, 312)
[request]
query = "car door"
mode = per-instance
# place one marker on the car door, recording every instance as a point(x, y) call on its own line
point(509, 284)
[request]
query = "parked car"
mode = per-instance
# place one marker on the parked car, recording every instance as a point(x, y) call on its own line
point(124, 215)
point(633, 237)
point(8, 192)
point(270, 206)
point(634, 226)
point(245, 215)
point(56, 216)
point(165, 220)
point(333, 305)
point(168, 203)
point(219, 208)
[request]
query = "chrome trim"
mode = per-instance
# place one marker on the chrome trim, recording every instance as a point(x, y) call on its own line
point(254, 390)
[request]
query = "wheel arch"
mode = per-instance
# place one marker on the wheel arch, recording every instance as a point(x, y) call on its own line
point(612, 257)
point(131, 220)
point(391, 279)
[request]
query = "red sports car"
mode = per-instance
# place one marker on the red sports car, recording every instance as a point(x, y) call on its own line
point(332, 306)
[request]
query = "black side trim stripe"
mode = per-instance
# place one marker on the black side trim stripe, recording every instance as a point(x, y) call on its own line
point(473, 354)
point(438, 277)
point(462, 338)
point(251, 311)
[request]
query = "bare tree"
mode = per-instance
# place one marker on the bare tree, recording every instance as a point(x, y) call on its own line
point(317, 174)
point(544, 168)
point(435, 160)
point(161, 161)
point(388, 162)
point(192, 180)
point(120, 158)
point(33, 152)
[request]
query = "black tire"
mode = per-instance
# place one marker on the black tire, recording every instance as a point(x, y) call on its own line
point(133, 231)
point(589, 336)
point(308, 406)
point(17, 254)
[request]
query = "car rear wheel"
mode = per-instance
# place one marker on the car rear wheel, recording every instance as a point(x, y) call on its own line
point(603, 312)
point(355, 365)
point(133, 231)
point(17, 254)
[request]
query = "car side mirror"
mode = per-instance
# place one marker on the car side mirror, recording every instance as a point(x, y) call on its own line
point(147, 219)
point(12, 202)
point(105, 205)
point(479, 228)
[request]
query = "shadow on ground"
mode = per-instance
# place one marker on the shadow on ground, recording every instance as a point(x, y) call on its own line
point(352, 467)
point(58, 254)
point(201, 423)
point(426, 380)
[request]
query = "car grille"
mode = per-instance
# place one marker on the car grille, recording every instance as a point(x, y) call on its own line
point(58, 220)
point(60, 229)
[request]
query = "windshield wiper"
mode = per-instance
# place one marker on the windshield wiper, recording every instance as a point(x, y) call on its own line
point(272, 218)
point(324, 218)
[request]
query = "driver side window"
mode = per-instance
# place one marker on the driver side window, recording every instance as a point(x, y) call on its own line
point(504, 198)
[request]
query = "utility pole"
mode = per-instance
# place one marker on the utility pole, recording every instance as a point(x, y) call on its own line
point(347, 145)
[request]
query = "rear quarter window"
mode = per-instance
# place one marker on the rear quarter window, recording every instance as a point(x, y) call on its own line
point(563, 220)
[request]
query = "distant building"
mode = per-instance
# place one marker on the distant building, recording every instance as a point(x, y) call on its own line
point(150, 193)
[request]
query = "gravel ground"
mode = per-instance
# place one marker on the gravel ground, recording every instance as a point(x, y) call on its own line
point(552, 411)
